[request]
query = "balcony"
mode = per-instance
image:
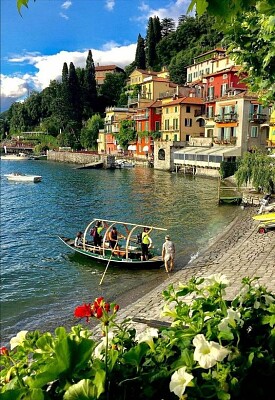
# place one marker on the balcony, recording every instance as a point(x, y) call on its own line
point(139, 117)
point(258, 118)
point(225, 118)
point(168, 93)
point(219, 141)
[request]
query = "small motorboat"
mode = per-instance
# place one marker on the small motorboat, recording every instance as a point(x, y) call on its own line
point(15, 157)
point(124, 164)
point(126, 254)
point(18, 177)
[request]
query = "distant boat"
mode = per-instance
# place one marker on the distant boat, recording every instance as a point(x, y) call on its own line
point(18, 177)
point(124, 164)
point(15, 157)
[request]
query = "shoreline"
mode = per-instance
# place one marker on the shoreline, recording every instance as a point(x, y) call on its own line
point(238, 251)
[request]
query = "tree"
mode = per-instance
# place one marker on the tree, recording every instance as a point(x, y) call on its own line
point(140, 59)
point(167, 26)
point(89, 134)
point(112, 87)
point(255, 168)
point(153, 36)
point(126, 133)
point(249, 32)
point(75, 102)
point(89, 88)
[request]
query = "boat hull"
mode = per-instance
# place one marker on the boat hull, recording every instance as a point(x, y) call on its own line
point(265, 217)
point(115, 260)
point(24, 178)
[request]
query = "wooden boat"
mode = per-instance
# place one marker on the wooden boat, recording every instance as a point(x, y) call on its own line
point(128, 251)
point(17, 177)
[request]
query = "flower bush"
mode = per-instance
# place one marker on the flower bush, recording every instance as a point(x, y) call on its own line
point(214, 349)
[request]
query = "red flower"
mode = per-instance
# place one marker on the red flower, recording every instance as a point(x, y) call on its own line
point(99, 312)
point(99, 301)
point(83, 311)
point(107, 307)
point(4, 351)
point(116, 308)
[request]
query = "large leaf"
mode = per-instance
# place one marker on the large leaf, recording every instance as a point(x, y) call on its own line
point(83, 390)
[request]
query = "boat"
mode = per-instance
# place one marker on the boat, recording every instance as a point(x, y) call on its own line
point(18, 177)
point(128, 251)
point(124, 164)
point(264, 217)
point(15, 157)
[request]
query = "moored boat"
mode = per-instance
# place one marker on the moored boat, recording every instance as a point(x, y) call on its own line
point(124, 164)
point(15, 157)
point(127, 252)
point(18, 177)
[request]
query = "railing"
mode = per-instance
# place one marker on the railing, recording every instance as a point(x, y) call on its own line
point(228, 117)
point(258, 118)
point(232, 141)
point(168, 93)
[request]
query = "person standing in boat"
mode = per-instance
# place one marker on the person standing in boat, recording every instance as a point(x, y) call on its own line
point(168, 254)
point(113, 238)
point(96, 233)
point(146, 244)
point(78, 239)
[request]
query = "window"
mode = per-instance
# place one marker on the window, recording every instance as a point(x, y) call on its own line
point(211, 79)
point(147, 125)
point(224, 88)
point(139, 126)
point(161, 154)
point(254, 131)
point(207, 70)
point(188, 122)
point(175, 138)
point(224, 76)
point(166, 125)
point(210, 112)
point(188, 109)
point(176, 109)
point(157, 126)
point(210, 93)
point(167, 110)
point(175, 124)
point(189, 79)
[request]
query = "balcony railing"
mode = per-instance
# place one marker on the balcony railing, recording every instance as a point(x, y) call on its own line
point(138, 117)
point(258, 118)
point(228, 117)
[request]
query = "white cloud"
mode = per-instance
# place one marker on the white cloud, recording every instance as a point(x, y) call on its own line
point(174, 10)
point(49, 67)
point(110, 4)
point(63, 16)
point(66, 5)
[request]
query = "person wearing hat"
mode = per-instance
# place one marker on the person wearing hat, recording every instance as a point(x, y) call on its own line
point(168, 254)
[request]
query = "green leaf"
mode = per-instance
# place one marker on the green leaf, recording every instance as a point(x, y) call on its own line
point(135, 355)
point(83, 390)
point(16, 394)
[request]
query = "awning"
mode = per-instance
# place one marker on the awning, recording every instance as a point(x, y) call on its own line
point(145, 148)
point(205, 157)
point(132, 147)
point(119, 147)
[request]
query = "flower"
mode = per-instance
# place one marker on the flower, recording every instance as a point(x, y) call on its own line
point(147, 336)
point(4, 351)
point(18, 339)
point(233, 318)
point(219, 278)
point(83, 311)
point(208, 353)
point(98, 351)
point(179, 380)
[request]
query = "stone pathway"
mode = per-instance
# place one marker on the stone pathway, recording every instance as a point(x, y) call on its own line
point(239, 252)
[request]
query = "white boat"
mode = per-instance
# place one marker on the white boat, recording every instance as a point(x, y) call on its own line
point(124, 164)
point(17, 177)
point(15, 157)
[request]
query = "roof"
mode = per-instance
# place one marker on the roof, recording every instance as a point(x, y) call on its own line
point(145, 72)
point(185, 100)
point(220, 49)
point(107, 68)
point(212, 151)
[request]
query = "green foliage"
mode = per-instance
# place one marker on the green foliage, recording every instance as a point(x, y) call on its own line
point(126, 133)
point(228, 169)
point(89, 134)
point(214, 348)
point(112, 87)
point(255, 168)
point(140, 58)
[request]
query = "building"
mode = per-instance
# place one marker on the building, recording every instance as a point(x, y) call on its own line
point(102, 70)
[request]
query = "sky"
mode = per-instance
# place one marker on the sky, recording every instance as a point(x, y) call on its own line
point(35, 44)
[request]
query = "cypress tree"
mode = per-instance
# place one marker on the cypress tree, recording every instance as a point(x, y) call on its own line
point(89, 89)
point(140, 59)
point(152, 38)
point(74, 94)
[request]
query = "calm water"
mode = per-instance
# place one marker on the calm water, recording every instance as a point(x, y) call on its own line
point(42, 281)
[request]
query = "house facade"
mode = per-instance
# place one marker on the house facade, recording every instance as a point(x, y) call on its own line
point(102, 70)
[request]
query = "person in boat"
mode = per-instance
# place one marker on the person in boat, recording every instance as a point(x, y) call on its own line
point(168, 254)
point(78, 239)
point(96, 233)
point(146, 244)
point(113, 238)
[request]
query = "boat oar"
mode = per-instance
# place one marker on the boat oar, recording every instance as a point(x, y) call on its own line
point(101, 280)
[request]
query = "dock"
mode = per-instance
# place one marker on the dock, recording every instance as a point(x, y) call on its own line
point(95, 165)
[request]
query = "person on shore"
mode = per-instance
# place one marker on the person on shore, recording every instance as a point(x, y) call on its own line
point(168, 254)
point(146, 244)
point(78, 239)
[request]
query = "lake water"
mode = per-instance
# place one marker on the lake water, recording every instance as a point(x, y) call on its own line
point(42, 281)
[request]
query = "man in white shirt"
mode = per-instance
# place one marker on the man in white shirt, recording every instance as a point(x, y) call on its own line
point(168, 254)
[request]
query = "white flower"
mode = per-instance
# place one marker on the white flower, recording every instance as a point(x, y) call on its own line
point(179, 380)
point(208, 353)
point(268, 299)
point(217, 278)
point(231, 320)
point(18, 339)
point(100, 348)
point(147, 336)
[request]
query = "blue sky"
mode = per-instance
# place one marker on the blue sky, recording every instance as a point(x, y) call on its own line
point(34, 46)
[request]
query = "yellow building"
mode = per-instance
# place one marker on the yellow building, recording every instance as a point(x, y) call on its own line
point(179, 119)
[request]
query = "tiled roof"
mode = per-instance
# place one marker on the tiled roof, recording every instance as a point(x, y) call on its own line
point(107, 67)
point(185, 100)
